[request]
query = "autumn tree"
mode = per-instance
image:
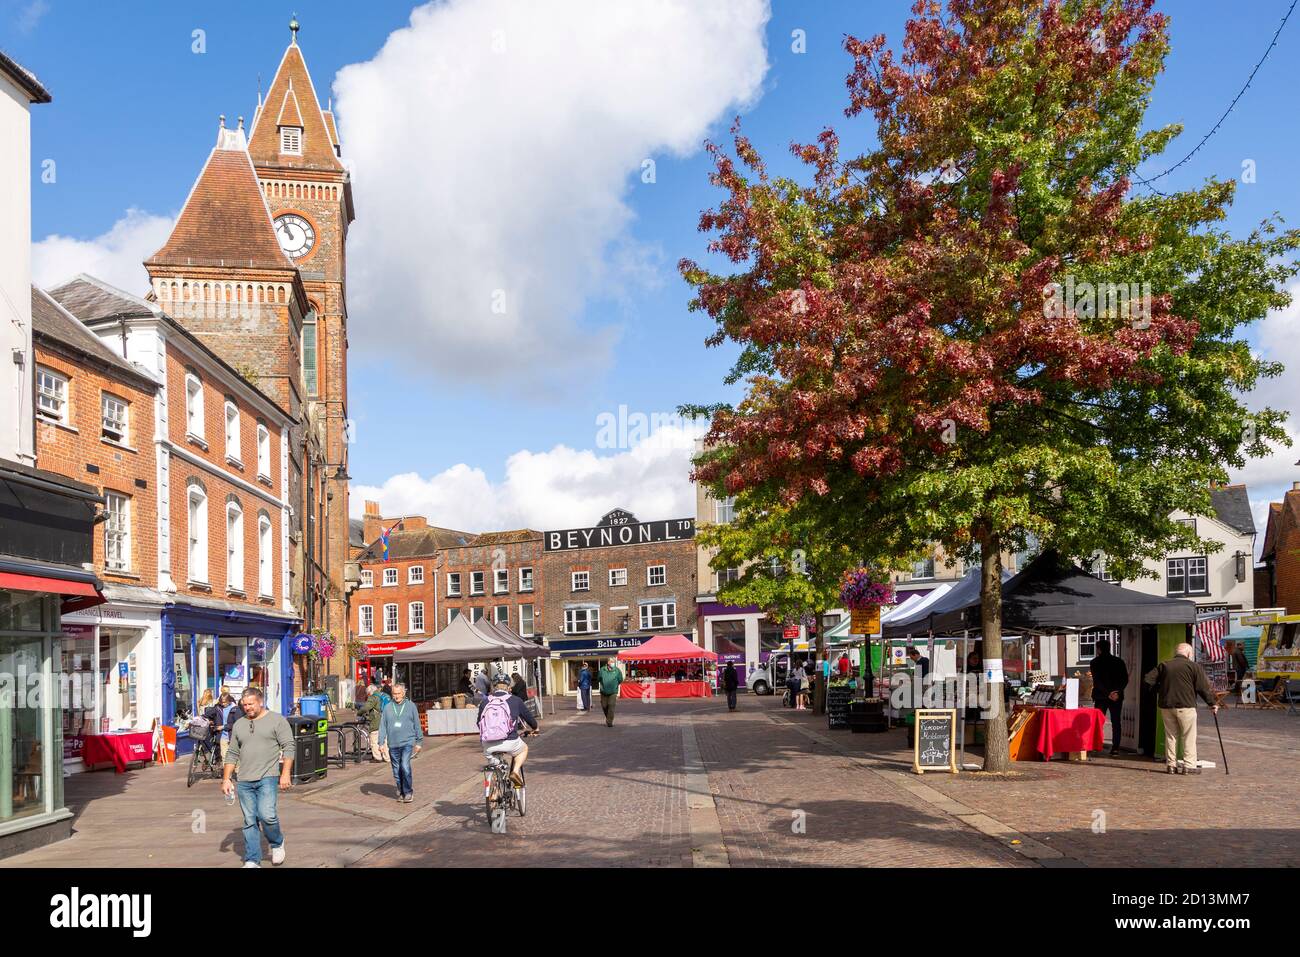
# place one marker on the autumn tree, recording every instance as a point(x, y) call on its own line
point(981, 328)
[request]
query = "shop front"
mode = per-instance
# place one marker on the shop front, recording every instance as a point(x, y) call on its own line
point(568, 654)
point(223, 650)
point(377, 666)
point(111, 669)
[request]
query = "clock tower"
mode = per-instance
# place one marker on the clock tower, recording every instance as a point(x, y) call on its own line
point(295, 150)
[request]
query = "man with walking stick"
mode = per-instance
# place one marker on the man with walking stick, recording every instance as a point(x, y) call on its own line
point(1178, 682)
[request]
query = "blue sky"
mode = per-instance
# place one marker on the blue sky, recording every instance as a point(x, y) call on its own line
point(134, 116)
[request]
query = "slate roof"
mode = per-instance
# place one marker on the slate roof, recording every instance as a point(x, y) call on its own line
point(1232, 507)
point(356, 532)
point(90, 299)
point(418, 543)
point(52, 321)
point(506, 538)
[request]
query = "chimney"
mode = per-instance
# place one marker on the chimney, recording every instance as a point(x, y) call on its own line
point(372, 508)
point(1295, 486)
point(372, 522)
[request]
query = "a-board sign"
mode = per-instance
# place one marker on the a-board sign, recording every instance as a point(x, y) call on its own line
point(934, 742)
point(837, 706)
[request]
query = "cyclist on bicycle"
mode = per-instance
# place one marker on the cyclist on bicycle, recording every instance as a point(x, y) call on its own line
point(500, 715)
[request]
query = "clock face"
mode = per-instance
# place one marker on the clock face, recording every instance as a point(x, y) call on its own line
point(295, 234)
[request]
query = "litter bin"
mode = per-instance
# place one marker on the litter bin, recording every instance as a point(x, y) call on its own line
point(312, 705)
point(322, 754)
point(305, 750)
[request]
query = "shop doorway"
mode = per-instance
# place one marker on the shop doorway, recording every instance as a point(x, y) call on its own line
point(119, 677)
point(232, 664)
point(23, 736)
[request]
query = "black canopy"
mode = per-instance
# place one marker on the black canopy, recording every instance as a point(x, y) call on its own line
point(959, 596)
point(1052, 594)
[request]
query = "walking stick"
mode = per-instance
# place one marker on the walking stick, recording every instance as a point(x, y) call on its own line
point(1215, 716)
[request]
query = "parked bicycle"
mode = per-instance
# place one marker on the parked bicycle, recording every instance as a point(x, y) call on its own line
point(205, 762)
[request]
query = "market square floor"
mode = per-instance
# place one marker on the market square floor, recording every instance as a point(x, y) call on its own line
point(683, 783)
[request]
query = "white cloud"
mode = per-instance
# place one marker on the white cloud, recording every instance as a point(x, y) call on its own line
point(115, 256)
point(562, 488)
point(493, 143)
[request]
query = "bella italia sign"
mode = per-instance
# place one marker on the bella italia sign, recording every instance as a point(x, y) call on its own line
point(619, 527)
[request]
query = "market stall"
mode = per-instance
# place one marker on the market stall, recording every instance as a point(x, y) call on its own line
point(668, 666)
point(461, 644)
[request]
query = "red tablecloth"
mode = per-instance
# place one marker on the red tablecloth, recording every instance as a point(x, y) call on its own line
point(118, 748)
point(666, 689)
point(1061, 729)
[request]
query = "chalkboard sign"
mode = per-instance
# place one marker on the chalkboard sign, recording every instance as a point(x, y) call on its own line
point(837, 706)
point(934, 741)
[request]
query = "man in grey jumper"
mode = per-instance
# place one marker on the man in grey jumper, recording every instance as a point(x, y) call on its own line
point(401, 738)
point(257, 741)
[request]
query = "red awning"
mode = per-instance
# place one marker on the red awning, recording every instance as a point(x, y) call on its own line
point(667, 648)
point(77, 594)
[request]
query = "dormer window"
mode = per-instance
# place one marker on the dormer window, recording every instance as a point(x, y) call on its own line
point(291, 140)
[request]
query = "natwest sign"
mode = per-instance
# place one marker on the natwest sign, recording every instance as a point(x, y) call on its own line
point(619, 528)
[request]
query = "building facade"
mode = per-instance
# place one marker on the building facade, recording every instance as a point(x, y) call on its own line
point(219, 571)
point(1278, 577)
point(47, 522)
point(613, 586)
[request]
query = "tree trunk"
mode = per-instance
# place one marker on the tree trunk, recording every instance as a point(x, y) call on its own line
point(997, 754)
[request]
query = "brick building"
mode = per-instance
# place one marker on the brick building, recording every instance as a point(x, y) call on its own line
point(615, 585)
point(255, 268)
point(95, 422)
point(217, 449)
point(1277, 581)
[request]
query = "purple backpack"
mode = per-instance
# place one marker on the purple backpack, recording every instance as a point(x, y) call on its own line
point(497, 722)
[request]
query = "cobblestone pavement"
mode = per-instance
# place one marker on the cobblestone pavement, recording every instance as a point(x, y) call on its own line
point(780, 790)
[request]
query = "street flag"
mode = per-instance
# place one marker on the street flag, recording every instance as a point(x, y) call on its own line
point(1211, 630)
point(383, 538)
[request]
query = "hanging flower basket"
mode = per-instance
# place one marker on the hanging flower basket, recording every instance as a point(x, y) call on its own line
point(325, 646)
point(860, 592)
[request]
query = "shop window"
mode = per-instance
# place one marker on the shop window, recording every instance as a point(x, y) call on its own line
point(659, 615)
point(500, 581)
point(51, 396)
point(729, 639)
point(367, 578)
point(182, 677)
point(117, 532)
point(581, 581)
point(113, 419)
point(366, 620)
point(415, 616)
point(390, 619)
point(656, 575)
point(526, 621)
point(415, 575)
point(617, 576)
point(525, 579)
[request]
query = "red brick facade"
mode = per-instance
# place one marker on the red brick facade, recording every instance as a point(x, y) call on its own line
point(1281, 556)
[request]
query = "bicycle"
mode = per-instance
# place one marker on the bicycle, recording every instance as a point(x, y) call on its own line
point(205, 762)
point(509, 796)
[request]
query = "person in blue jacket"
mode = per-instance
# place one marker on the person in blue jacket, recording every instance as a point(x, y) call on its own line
point(584, 687)
point(401, 738)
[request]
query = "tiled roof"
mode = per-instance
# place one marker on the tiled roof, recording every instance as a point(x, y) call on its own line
point(418, 543)
point(506, 538)
point(225, 221)
point(333, 127)
point(290, 115)
point(356, 532)
point(52, 321)
point(1232, 507)
point(317, 141)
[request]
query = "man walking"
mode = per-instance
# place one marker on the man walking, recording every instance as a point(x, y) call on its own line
point(584, 688)
point(401, 738)
point(730, 681)
point(1109, 679)
point(1178, 682)
point(610, 679)
point(481, 686)
point(372, 711)
point(257, 741)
